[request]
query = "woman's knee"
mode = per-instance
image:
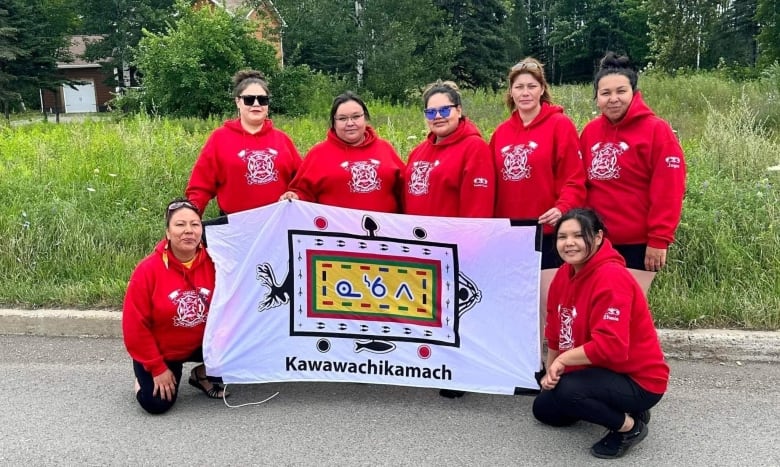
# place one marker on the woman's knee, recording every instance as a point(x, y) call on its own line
point(545, 409)
point(154, 405)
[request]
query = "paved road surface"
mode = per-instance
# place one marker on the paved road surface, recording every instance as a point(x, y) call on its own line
point(68, 401)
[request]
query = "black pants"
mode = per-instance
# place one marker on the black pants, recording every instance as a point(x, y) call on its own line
point(156, 404)
point(596, 395)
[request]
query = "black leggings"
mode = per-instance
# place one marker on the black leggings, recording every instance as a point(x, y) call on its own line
point(596, 395)
point(156, 404)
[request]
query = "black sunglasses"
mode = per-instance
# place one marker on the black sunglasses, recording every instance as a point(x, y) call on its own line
point(250, 100)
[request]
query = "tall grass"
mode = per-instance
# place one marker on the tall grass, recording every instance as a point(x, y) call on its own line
point(82, 203)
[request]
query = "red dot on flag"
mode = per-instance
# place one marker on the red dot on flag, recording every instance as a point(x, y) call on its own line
point(321, 223)
point(424, 352)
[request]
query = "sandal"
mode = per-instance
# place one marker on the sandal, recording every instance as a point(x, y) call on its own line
point(213, 393)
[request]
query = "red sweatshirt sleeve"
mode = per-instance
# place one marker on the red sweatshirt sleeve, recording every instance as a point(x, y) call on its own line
point(569, 172)
point(667, 186)
point(304, 184)
point(610, 321)
point(552, 327)
point(478, 187)
point(136, 322)
point(295, 156)
point(204, 178)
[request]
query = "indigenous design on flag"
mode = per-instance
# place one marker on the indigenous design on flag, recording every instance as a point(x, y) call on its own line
point(313, 292)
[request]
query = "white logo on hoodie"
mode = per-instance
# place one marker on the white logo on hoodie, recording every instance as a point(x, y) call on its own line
point(516, 166)
point(260, 166)
point(364, 176)
point(419, 180)
point(190, 307)
point(565, 336)
point(605, 164)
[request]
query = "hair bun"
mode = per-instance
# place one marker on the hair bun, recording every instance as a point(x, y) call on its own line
point(613, 60)
point(245, 74)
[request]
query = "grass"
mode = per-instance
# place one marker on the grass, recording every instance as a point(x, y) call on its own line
point(83, 202)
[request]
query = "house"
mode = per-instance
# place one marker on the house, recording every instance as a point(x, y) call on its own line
point(92, 95)
point(263, 12)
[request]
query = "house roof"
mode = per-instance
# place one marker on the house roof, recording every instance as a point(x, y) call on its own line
point(78, 45)
point(233, 5)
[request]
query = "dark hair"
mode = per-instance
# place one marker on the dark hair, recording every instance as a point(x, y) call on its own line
point(243, 78)
point(614, 64)
point(442, 87)
point(533, 67)
point(590, 224)
point(177, 204)
point(346, 97)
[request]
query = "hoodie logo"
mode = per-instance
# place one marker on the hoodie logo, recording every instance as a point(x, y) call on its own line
point(612, 314)
point(516, 166)
point(364, 176)
point(190, 307)
point(673, 162)
point(260, 167)
point(565, 336)
point(419, 180)
point(604, 165)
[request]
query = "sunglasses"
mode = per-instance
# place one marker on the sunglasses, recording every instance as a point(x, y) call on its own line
point(250, 100)
point(181, 204)
point(525, 66)
point(444, 111)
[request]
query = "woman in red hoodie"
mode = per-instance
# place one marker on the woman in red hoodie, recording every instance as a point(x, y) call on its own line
point(246, 163)
point(604, 364)
point(635, 170)
point(450, 174)
point(165, 310)
point(539, 171)
point(353, 167)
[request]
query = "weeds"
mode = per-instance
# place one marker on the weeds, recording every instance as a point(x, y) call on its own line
point(83, 203)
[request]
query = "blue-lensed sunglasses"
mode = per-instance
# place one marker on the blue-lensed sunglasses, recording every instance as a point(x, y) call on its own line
point(444, 111)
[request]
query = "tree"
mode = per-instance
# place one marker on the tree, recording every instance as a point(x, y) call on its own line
point(9, 51)
point(33, 38)
point(386, 47)
point(120, 23)
point(583, 31)
point(484, 58)
point(768, 19)
point(321, 34)
point(680, 31)
point(187, 70)
point(407, 44)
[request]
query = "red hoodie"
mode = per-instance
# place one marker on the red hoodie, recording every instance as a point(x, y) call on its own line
point(243, 170)
point(635, 176)
point(451, 178)
point(165, 308)
point(539, 166)
point(603, 309)
point(366, 176)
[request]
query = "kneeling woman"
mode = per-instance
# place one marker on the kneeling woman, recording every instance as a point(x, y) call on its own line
point(165, 310)
point(605, 363)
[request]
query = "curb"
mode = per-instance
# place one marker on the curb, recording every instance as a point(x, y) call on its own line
point(699, 344)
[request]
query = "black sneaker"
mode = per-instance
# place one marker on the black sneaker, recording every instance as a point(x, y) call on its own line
point(643, 415)
point(616, 444)
point(451, 393)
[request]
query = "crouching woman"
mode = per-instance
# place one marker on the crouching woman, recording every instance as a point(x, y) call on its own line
point(165, 310)
point(605, 364)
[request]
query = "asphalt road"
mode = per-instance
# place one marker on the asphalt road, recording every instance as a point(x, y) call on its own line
point(68, 401)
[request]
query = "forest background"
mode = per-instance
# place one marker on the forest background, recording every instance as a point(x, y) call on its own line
point(81, 201)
